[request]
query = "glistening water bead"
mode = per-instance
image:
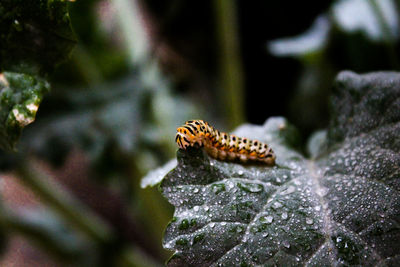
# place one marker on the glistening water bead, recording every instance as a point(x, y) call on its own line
point(223, 146)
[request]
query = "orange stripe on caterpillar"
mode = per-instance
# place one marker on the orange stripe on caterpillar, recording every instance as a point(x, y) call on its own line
point(221, 145)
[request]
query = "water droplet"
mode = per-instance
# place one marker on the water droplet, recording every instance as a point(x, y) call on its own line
point(286, 244)
point(265, 234)
point(268, 219)
point(223, 223)
point(289, 190)
point(196, 208)
point(196, 190)
point(206, 208)
point(240, 172)
point(250, 187)
point(212, 225)
point(317, 208)
point(309, 221)
point(218, 188)
point(277, 205)
point(284, 215)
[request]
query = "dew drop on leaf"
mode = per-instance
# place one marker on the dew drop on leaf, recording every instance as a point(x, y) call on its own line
point(267, 219)
point(286, 244)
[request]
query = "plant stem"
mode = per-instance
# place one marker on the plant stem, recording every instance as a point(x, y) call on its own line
point(136, 39)
point(63, 204)
point(231, 70)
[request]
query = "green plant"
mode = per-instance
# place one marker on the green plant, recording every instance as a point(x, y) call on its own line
point(108, 115)
point(341, 206)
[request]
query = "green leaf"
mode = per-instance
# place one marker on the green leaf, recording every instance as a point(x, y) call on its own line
point(20, 96)
point(376, 20)
point(340, 208)
point(35, 36)
point(310, 42)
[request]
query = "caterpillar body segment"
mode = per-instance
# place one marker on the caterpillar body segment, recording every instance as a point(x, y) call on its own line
point(221, 145)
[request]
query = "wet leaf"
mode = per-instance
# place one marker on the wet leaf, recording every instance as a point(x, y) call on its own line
point(20, 96)
point(35, 36)
point(340, 208)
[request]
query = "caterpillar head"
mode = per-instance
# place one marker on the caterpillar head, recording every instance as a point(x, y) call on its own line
point(184, 138)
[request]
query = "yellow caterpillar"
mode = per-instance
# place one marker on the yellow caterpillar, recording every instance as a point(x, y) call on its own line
point(221, 145)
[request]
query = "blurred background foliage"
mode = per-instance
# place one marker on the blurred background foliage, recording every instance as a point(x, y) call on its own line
point(139, 69)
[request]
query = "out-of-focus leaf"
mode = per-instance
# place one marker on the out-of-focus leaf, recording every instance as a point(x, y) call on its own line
point(91, 119)
point(44, 228)
point(312, 41)
point(316, 143)
point(360, 15)
point(340, 208)
point(34, 35)
point(351, 17)
point(20, 96)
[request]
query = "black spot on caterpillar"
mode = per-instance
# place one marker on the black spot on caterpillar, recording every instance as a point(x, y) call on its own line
point(221, 145)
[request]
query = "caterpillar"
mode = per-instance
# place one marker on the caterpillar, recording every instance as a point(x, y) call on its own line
point(223, 146)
